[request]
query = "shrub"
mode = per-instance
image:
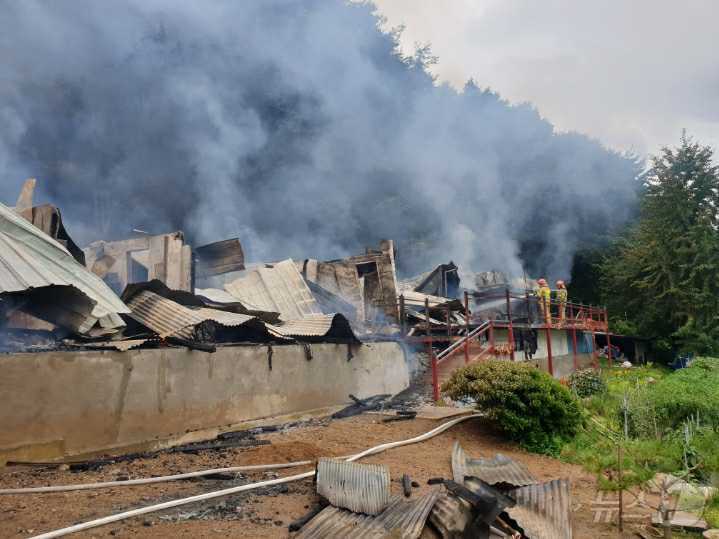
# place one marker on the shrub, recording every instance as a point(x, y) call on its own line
point(586, 383)
point(528, 405)
point(660, 408)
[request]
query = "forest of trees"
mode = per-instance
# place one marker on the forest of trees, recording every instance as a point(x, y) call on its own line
point(660, 278)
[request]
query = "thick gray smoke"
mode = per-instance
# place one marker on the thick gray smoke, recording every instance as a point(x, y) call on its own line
point(292, 124)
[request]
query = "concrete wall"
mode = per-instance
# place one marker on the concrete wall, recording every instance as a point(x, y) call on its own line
point(68, 403)
point(563, 366)
point(562, 360)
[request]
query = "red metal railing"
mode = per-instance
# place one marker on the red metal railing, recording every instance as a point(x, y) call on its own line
point(553, 315)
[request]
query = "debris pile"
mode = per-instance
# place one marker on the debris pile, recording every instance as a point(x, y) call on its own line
point(497, 498)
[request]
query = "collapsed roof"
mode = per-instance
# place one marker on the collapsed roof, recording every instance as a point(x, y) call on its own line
point(40, 276)
point(181, 315)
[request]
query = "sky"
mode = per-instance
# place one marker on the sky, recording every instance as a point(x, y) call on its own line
point(631, 73)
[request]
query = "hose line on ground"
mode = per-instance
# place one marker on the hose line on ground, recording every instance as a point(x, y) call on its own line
point(234, 490)
point(150, 480)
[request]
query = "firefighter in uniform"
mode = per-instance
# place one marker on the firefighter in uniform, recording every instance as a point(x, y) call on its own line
point(562, 300)
point(545, 295)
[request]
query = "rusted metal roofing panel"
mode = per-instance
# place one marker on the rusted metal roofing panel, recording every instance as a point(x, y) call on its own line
point(30, 259)
point(220, 257)
point(402, 519)
point(499, 469)
point(167, 318)
point(319, 326)
point(278, 287)
point(543, 511)
point(361, 488)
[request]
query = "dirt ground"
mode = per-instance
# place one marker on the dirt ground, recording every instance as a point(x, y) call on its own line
point(266, 513)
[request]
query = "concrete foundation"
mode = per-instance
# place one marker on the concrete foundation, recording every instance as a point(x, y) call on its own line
point(60, 404)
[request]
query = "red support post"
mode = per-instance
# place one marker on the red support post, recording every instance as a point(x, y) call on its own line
point(432, 357)
point(466, 321)
point(491, 336)
point(510, 329)
point(550, 365)
point(574, 338)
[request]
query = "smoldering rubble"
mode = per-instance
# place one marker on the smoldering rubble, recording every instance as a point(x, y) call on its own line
point(158, 290)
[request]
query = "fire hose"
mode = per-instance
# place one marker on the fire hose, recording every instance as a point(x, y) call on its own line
point(228, 491)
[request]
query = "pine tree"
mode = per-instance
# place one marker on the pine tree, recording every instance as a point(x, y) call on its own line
point(664, 277)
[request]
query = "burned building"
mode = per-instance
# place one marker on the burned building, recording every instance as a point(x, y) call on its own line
point(367, 281)
point(164, 257)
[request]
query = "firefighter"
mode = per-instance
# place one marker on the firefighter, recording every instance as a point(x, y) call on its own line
point(562, 300)
point(545, 296)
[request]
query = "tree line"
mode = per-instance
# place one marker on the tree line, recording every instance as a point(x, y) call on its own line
point(660, 276)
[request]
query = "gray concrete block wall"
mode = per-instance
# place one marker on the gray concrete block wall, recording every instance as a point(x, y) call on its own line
point(69, 403)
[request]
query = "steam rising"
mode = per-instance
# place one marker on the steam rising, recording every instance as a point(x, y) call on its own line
point(293, 125)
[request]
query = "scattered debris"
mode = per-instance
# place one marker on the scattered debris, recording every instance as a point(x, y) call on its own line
point(406, 486)
point(361, 488)
point(402, 415)
point(219, 258)
point(499, 470)
point(543, 510)
point(297, 525)
point(361, 406)
point(402, 519)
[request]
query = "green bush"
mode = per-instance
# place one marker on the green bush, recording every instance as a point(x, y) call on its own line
point(684, 394)
point(586, 383)
point(528, 405)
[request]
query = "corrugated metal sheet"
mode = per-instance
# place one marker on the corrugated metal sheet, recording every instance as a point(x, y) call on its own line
point(217, 295)
point(320, 326)
point(402, 519)
point(277, 287)
point(31, 259)
point(361, 488)
point(167, 318)
point(543, 511)
point(499, 469)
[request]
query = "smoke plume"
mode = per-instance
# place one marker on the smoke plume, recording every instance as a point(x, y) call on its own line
point(293, 124)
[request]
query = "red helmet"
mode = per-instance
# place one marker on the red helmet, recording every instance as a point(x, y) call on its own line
point(542, 282)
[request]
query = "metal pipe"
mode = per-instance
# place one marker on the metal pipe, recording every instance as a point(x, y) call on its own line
point(402, 317)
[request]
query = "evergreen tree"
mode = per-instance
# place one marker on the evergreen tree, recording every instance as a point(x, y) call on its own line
point(663, 280)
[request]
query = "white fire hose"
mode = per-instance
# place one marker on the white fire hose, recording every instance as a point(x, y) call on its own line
point(225, 492)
